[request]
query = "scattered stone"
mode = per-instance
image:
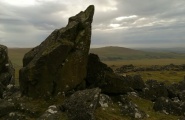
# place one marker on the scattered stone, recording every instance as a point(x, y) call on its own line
point(154, 90)
point(16, 116)
point(82, 104)
point(60, 60)
point(105, 101)
point(182, 95)
point(176, 89)
point(52, 113)
point(131, 68)
point(6, 107)
point(125, 69)
point(130, 109)
point(12, 92)
point(133, 93)
point(168, 106)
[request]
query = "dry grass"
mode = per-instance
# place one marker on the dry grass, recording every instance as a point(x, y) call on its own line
point(147, 106)
point(16, 55)
point(113, 112)
point(163, 76)
point(145, 62)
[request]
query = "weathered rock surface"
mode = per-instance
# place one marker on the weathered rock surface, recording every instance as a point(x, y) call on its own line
point(6, 70)
point(96, 70)
point(154, 90)
point(6, 107)
point(82, 104)
point(58, 64)
point(181, 95)
point(105, 101)
point(128, 108)
point(177, 90)
point(169, 106)
point(52, 113)
point(100, 75)
point(12, 92)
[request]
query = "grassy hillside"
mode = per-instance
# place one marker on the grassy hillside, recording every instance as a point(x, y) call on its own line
point(16, 55)
point(172, 50)
point(120, 53)
point(117, 53)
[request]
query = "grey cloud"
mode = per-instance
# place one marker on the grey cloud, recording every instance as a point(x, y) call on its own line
point(35, 15)
point(38, 16)
point(163, 22)
point(164, 33)
point(143, 37)
point(145, 7)
point(28, 26)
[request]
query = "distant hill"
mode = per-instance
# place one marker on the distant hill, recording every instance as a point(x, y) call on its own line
point(116, 53)
point(172, 50)
point(112, 50)
point(112, 53)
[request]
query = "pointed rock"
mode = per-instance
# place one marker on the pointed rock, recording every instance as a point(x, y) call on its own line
point(59, 63)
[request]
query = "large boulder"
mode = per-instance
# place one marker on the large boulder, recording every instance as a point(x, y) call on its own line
point(115, 84)
point(96, 70)
point(82, 104)
point(58, 64)
point(102, 76)
point(6, 70)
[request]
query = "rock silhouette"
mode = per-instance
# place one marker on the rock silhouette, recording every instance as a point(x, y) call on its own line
point(59, 63)
point(102, 76)
point(6, 70)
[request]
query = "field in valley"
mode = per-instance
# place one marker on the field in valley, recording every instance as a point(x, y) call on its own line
point(163, 76)
point(16, 56)
point(115, 57)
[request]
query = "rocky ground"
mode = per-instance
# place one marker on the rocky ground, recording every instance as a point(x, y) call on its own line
point(60, 80)
point(132, 68)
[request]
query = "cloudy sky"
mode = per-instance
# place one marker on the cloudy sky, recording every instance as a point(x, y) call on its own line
point(128, 23)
